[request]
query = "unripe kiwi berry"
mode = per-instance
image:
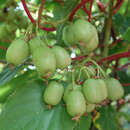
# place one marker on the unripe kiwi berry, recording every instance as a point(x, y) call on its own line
point(95, 90)
point(114, 88)
point(70, 88)
point(53, 93)
point(45, 61)
point(17, 52)
point(62, 57)
point(68, 36)
point(76, 104)
point(83, 30)
point(90, 107)
point(35, 43)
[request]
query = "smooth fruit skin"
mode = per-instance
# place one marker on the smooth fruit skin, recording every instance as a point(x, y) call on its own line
point(92, 43)
point(53, 93)
point(76, 104)
point(45, 61)
point(83, 30)
point(90, 107)
point(95, 90)
point(68, 90)
point(35, 43)
point(68, 36)
point(17, 52)
point(114, 88)
point(62, 57)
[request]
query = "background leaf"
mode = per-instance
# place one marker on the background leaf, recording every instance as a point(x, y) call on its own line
point(107, 119)
point(26, 110)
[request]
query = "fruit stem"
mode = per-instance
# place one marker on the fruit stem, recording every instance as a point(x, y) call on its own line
point(103, 73)
point(90, 71)
point(80, 72)
point(28, 30)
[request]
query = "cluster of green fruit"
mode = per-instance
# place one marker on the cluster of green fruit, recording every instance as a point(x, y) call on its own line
point(80, 99)
point(83, 33)
point(44, 58)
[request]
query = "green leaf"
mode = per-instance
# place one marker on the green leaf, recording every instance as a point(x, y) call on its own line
point(124, 78)
point(121, 47)
point(107, 119)
point(9, 87)
point(84, 123)
point(125, 111)
point(61, 12)
point(26, 110)
point(126, 36)
point(7, 74)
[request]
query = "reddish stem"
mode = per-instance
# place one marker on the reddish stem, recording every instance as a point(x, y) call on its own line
point(101, 6)
point(76, 9)
point(123, 66)
point(115, 57)
point(39, 18)
point(115, 42)
point(90, 9)
point(40, 12)
point(79, 58)
point(31, 18)
point(3, 48)
point(27, 11)
point(118, 5)
point(126, 84)
point(109, 58)
point(84, 8)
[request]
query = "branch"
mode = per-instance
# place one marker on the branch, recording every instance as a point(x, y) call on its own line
point(39, 18)
point(31, 18)
point(115, 8)
point(79, 58)
point(118, 5)
point(101, 6)
point(126, 84)
point(90, 9)
point(123, 66)
point(3, 48)
point(109, 58)
point(76, 9)
point(114, 57)
point(28, 12)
